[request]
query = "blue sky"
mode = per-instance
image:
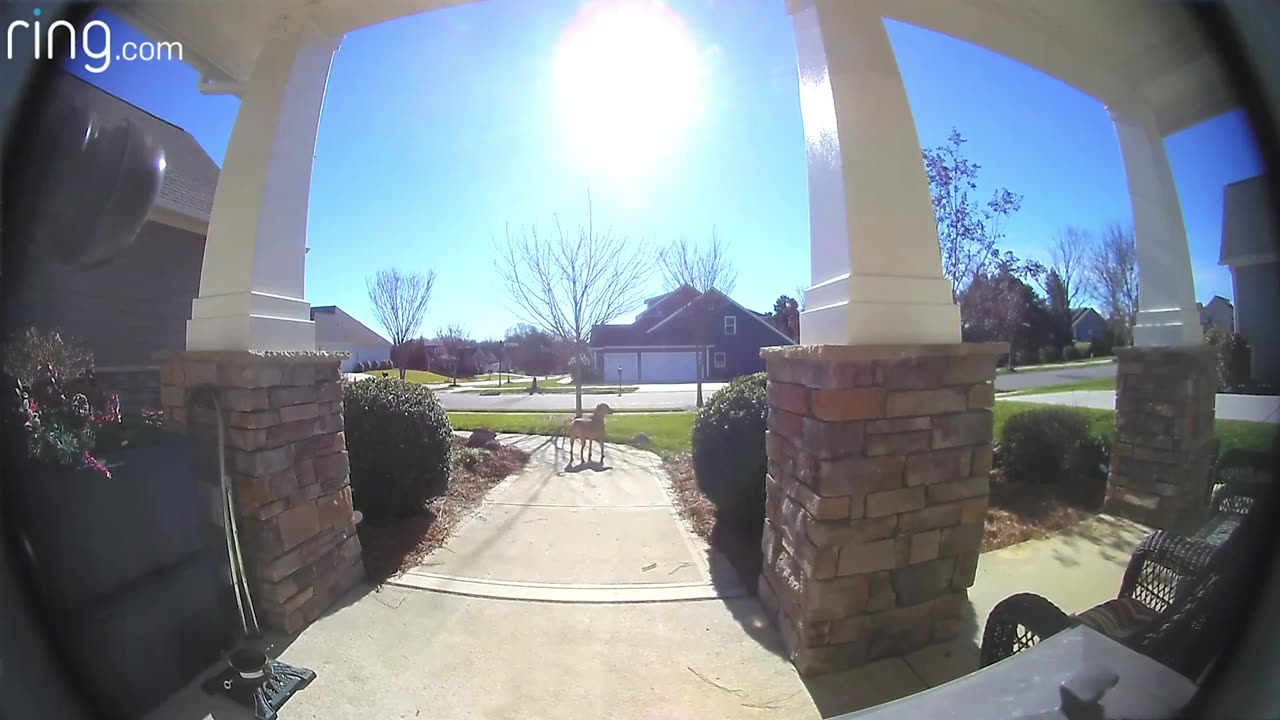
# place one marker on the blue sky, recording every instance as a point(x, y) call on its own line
point(441, 128)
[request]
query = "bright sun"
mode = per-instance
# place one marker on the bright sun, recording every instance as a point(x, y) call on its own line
point(628, 84)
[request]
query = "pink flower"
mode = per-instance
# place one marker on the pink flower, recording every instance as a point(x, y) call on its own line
point(93, 462)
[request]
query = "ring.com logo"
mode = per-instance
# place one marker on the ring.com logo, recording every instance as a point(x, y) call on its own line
point(92, 43)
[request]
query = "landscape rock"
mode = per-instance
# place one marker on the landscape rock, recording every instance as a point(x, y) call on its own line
point(641, 440)
point(482, 438)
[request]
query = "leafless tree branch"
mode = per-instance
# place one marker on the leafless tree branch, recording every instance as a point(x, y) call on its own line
point(1113, 271)
point(567, 282)
point(400, 300)
point(703, 268)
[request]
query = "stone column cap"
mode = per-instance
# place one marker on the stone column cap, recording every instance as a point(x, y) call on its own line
point(858, 353)
point(250, 357)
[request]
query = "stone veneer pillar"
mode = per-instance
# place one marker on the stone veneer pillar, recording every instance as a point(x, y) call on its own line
point(879, 464)
point(1160, 459)
point(287, 458)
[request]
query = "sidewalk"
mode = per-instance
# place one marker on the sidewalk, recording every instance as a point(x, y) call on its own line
point(1228, 406)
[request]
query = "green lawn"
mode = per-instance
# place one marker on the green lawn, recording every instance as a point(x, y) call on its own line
point(669, 431)
point(426, 377)
point(550, 389)
point(1229, 433)
point(1059, 365)
point(1103, 383)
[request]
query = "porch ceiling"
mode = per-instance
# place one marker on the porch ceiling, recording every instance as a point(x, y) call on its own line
point(1116, 52)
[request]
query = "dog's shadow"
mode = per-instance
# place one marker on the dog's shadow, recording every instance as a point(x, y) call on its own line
point(593, 465)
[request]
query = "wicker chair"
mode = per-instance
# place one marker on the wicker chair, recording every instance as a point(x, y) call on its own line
point(1239, 477)
point(1168, 607)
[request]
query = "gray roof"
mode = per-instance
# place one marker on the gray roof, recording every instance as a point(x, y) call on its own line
point(190, 175)
point(1248, 229)
point(333, 325)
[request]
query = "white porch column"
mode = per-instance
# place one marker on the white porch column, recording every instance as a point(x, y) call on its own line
point(251, 284)
point(1167, 312)
point(875, 266)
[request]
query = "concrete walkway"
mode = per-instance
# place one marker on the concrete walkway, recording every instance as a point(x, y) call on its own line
point(579, 593)
point(1228, 406)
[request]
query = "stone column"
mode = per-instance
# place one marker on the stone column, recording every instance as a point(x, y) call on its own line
point(1167, 312)
point(1160, 459)
point(287, 460)
point(879, 461)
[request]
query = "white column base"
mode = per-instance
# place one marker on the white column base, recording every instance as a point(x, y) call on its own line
point(879, 310)
point(1167, 327)
point(251, 321)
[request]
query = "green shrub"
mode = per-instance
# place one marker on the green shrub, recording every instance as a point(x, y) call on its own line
point(1070, 352)
point(398, 442)
point(1234, 359)
point(729, 457)
point(1048, 354)
point(1102, 344)
point(1025, 357)
point(1043, 445)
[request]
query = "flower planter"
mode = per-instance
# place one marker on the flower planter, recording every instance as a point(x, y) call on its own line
point(124, 572)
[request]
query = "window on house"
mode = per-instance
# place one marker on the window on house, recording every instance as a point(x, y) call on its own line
point(730, 325)
point(718, 359)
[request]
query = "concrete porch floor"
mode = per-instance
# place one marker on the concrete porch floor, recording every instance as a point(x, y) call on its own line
point(573, 629)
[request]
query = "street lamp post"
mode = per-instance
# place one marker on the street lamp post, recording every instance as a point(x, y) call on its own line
point(619, 381)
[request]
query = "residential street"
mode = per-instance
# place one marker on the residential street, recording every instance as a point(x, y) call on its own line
point(683, 396)
point(1036, 378)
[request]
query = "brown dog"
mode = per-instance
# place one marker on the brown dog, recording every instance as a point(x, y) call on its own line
point(588, 429)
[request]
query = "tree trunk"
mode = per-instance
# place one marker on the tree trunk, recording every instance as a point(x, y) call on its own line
point(577, 397)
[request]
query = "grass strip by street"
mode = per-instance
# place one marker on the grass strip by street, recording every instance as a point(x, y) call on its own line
point(1057, 365)
point(548, 390)
point(669, 432)
point(1103, 383)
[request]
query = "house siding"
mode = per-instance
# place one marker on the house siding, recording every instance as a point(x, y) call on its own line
point(1257, 294)
point(124, 311)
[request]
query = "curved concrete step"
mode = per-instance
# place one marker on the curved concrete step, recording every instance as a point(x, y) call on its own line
point(569, 592)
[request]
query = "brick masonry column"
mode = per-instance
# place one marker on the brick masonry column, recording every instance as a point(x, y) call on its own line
point(1160, 459)
point(287, 459)
point(879, 464)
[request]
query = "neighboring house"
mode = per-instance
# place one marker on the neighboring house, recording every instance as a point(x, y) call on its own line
point(663, 342)
point(1249, 249)
point(1087, 324)
point(137, 304)
point(336, 331)
point(1219, 314)
point(485, 362)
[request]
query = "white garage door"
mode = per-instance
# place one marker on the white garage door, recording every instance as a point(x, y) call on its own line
point(613, 361)
point(669, 367)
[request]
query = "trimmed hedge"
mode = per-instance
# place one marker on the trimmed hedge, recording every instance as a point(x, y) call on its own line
point(1070, 352)
point(729, 455)
point(1054, 446)
point(398, 440)
point(1048, 354)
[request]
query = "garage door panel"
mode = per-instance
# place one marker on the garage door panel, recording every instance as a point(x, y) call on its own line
point(672, 367)
point(612, 361)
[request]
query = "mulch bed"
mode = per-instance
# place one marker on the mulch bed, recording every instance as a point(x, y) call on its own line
point(1025, 511)
point(739, 545)
point(1018, 512)
point(392, 546)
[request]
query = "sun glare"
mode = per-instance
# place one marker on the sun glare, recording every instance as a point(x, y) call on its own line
point(628, 84)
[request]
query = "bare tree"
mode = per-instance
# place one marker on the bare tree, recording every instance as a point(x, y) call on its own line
point(800, 296)
point(452, 340)
point(703, 268)
point(399, 302)
point(1069, 255)
point(1113, 271)
point(567, 282)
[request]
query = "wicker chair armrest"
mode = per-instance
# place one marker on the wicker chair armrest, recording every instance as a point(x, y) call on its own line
point(1160, 565)
point(1028, 610)
point(1239, 496)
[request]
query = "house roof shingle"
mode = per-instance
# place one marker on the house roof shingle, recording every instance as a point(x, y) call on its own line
point(190, 175)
